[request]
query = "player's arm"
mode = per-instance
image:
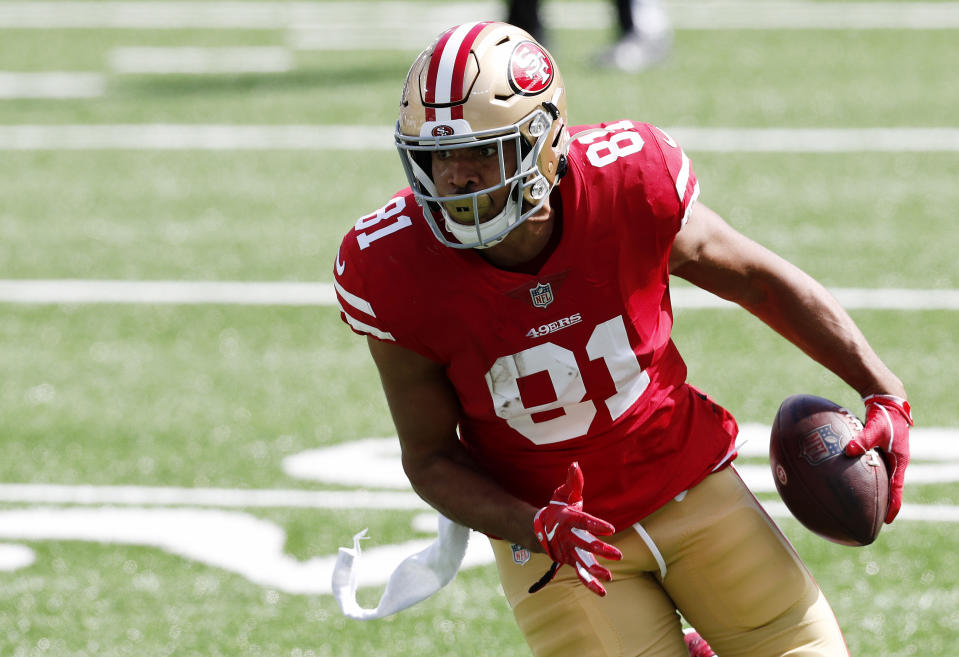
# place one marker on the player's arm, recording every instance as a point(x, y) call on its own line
point(425, 410)
point(712, 255)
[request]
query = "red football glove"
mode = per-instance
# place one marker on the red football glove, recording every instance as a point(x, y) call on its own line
point(566, 533)
point(888, 419)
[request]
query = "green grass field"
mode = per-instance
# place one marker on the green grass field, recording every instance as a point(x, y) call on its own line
point(100, 403)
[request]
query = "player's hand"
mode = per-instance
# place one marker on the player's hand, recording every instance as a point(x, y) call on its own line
point(888, 419)
point(567, 535)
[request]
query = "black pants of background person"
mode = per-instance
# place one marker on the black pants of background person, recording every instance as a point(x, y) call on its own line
point(525, 14)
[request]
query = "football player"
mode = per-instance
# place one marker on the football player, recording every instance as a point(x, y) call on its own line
point(515, 299)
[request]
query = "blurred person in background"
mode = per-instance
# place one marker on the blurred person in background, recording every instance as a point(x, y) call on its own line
point(644, 32)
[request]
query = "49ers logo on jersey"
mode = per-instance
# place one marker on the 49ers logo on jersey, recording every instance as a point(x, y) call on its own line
point(530, 70)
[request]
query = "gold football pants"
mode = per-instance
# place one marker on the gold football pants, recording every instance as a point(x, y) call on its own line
point(714, 556)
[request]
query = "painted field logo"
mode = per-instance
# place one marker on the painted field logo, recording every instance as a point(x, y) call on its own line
point(530, 70)
point(821, 444)
point(542, 295)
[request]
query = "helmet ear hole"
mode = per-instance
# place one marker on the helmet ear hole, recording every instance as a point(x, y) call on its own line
point(559, 134)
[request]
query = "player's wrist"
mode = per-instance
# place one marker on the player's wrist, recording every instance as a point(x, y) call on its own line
point(900, 404)
point(884, 383)
point(884, 397)
point(539, 531)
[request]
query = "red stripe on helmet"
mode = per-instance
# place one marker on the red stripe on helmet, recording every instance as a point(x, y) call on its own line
point(458, 73)
point(459, 68)
point(435, 65)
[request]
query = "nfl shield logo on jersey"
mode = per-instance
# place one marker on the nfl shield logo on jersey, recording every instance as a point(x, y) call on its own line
point(542, 295)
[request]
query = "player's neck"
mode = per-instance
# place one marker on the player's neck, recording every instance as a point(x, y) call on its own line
point(528, 245)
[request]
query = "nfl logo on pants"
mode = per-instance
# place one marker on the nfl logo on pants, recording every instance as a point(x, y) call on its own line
point(542, 295)
point(520, 554)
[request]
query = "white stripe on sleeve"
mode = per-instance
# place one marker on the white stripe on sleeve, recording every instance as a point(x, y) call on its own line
point(683, 177)
point(363, 327)
point(360, 304)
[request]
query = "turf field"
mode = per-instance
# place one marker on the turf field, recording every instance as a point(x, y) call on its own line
point(175, 478)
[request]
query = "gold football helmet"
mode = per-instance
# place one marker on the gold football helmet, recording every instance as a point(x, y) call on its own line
point(483, 84)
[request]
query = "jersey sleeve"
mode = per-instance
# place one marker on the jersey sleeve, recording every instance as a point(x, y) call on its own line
point(680, 188)
point(378, 290)
point(645, 166)
point(359, 271)
point(356, 306)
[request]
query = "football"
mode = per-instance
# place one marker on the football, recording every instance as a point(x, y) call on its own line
point(841, 498)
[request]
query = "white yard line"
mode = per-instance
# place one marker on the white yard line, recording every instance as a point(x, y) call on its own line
point(51, 85)
point(167, 292)
point(935, 453)
point(195, 60)
point(194, 137)
point(850, 298)
point(75, 291)
point(213, 526)
point(169, 136)
point(348, 21)
point(209, 497)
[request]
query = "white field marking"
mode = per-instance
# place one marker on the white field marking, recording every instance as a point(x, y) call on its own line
point(15, 557)
point(421, 22)
point(935, 453)
point(193, 60)
point(237, 542)
point(373, 23)
point(167, 292)
point(336, 464)
point(248, 498)
point(850, 298)
point(217, 137)
point(51, 85)
point(166, 136)
point(78, 291)
point(253, 548)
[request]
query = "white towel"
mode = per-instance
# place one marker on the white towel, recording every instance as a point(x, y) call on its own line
point(416, 578)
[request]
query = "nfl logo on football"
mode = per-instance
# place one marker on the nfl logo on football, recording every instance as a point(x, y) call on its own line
point(820, 444)
point(542, 295)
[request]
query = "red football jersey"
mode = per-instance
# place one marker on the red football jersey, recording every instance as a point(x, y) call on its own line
point(574, 362)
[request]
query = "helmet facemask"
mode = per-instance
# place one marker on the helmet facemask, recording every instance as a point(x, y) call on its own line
point(463, 216)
